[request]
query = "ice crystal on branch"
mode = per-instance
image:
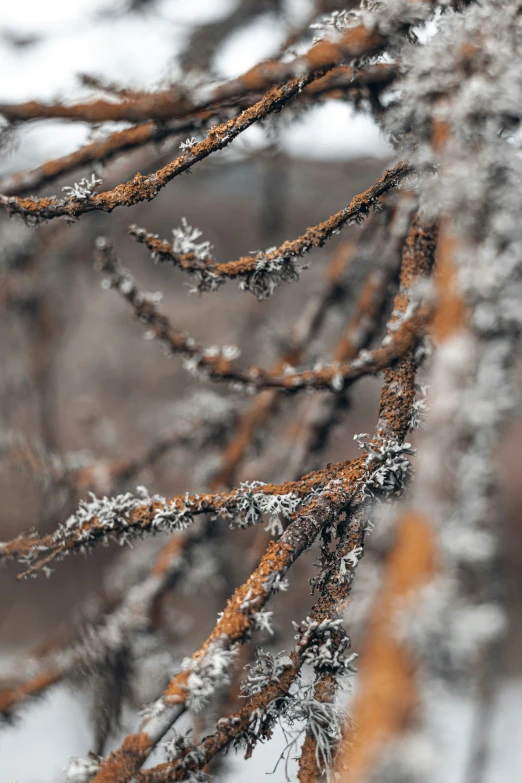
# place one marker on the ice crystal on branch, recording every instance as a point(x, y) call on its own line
point(184, 752)
point(180, 748)
point(395, 18)
point(297, 711)
point(198, 256)
point(277, 584)
point(198, 364)
point(174, 517)
point(111, 514)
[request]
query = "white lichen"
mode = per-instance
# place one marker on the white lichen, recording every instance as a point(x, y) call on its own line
point(81, 770)
point(185, 242)
point(188, 144)
point(264, 671)
point(269, 272)
point(387, 466)
point(83, 190)
point(206, 674)
point(252, 505)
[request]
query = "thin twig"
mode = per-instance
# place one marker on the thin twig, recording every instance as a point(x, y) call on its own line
point(171, 104)
point(255, 268)
point(146, 188)
point(341, 82)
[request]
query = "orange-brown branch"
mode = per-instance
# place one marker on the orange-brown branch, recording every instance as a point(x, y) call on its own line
point(172, 104)
point(387, 696)
point(315, 236)
point(341, 82)
point(146, 188)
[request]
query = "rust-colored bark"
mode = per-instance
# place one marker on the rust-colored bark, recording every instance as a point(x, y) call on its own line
point(387, 695)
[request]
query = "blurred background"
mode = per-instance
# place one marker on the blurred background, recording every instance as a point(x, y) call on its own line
point(80, 388)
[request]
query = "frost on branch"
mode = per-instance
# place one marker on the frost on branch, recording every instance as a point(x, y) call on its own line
point(391, 18)
point(173, 516)
point(197, 258)
point(198, 364)
point(297, 710)
point(323, 720)
point(277, 584)
point(349, 563)
point(395, 18)
point(127, 516)
point(111, 513)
